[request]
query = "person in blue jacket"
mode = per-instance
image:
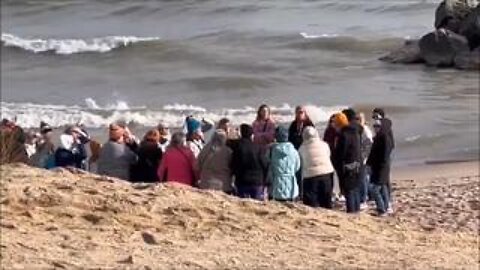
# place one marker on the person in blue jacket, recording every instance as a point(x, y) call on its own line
point(284, 164)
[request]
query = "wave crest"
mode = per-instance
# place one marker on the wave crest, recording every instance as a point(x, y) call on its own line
point(72, 46)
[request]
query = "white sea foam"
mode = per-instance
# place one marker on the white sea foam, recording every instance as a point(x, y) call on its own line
point(312, 36)
point(94, 115)
point(71, 46)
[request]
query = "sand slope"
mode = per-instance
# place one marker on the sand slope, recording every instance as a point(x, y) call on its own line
point(77, 221)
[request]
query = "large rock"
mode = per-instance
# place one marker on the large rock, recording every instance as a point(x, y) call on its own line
point(451, 13)
point(470, 28)
point(439, 48)
point(469, 60)
point(408, 54)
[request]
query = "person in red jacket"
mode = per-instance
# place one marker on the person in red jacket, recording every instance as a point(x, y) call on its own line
point(178, 162)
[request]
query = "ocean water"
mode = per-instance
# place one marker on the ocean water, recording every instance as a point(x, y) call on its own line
point(151, 61)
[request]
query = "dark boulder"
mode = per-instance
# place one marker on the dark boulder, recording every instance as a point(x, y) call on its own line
point(409, 53)
point(439, 48)
point(470, 28)
point(445, 18)
point(468, 60)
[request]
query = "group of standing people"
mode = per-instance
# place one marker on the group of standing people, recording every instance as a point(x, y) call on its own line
point(261, 161)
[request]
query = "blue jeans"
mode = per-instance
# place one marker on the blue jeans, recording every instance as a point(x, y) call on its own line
point(253, 192)
point(381, 196)
point(364, 183)
point(352, 200)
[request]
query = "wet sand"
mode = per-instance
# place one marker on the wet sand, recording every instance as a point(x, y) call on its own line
point(70, 220)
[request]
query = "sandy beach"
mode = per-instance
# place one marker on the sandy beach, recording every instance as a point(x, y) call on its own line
point(72, 220)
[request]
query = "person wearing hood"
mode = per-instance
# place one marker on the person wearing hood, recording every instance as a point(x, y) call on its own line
point(263, 127)
point(71, 151)
point(195, 141)
point(149, 155)
point(284, 164)
point(347, 161)
point(116, 156)
point(379, 162)
point(249, 166)
point(317, 170)
point(178, 162)
point(213, 164)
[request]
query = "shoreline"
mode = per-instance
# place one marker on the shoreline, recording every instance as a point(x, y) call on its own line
point(429, 171)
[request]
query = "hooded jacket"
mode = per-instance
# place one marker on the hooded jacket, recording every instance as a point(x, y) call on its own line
point(379, 158)
point(315, 155)
point(284, 164)
point(347, 157)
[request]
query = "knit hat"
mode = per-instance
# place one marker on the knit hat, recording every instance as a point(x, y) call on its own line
point(350, 114)
point(45, 128)
point(281, 134)
point(379, 112)
point(340, 120)
point(246, 131)
point(193, 125)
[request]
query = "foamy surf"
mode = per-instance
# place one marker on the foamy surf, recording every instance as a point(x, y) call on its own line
point(72, 46)
point(94, 115)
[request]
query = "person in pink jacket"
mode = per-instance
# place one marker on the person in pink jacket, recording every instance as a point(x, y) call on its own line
point(178, 162)
point(263, 127)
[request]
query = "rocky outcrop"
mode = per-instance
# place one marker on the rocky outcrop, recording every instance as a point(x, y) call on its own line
point(439, 48)
point(454, 43)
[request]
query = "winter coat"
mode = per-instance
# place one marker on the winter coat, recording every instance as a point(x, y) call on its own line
point(264, 131)
point(296, 130)
point(284, 164)
point(379, 158)
point(115, 160)
point(214, 168)
point(367, 140)
point(315, 155)
point(347, 157)
point(149, 157)
point(330, 137)
point(248, 164)
point(195, 146)
point(178, 165)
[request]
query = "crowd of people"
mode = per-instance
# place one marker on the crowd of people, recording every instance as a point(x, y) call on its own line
point(264, 160)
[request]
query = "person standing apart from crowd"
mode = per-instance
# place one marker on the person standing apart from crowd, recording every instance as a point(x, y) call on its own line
point(178, 162)
point(379, 162)
point(117, 154)
point(317, 170)
point(249, 166)
point(213, 164)
point(348, 161)
point(194, 135)
point(263, 127)
point(149, 156)
point(283, 167)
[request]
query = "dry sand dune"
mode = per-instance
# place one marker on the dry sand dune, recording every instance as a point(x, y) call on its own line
point(65, 220)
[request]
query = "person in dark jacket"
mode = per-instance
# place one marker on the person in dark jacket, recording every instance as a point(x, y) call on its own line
point(379, 162)
point(330, 134)
point(295, 132)
point(149, 156)
point(347, 160)
point(249, 166)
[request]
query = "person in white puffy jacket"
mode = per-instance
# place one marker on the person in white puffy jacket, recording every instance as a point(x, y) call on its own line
point(317, 170)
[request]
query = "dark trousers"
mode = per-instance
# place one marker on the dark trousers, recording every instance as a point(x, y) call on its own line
point(352, 200)
point(317, 191)
point(253, 192)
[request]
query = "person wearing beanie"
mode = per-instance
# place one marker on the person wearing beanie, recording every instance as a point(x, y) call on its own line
point(195, 140)
point(249, 166)
point(317, 170)
point(347, 161)
point(284, 165)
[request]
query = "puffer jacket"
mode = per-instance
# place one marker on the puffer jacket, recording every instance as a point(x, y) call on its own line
point(284, 164)
point(315, 154)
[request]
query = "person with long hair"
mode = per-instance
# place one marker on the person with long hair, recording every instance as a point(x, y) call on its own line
point(263, 127)
point(149, 157)
point(295, 132)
